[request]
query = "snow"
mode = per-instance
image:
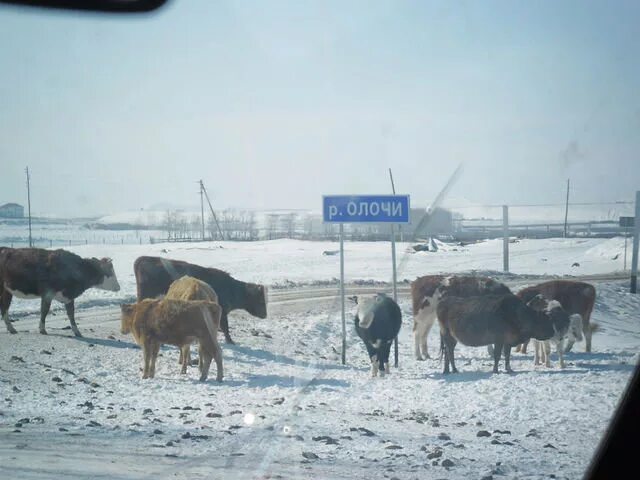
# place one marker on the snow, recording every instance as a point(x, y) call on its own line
point(285, 394)
point(286, 398)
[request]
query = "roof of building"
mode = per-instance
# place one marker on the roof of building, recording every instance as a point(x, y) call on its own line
point(11, 205)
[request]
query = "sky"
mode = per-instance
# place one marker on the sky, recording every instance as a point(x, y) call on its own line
point(274, 104)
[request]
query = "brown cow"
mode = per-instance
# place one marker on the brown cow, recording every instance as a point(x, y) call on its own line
point(427, 291)
point(154, 276)
point(501, 320)
point(174, 322)
point(189, 288)
point(575, 297)
point(50, 275)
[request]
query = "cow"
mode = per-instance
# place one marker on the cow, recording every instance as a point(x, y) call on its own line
point(154, 276)
point(575, 297)
point(189, 288)
point(502, 320)
point(154, 322)
point(51, 275)
point(427, 291)
point(543, 347)
point(377, 322)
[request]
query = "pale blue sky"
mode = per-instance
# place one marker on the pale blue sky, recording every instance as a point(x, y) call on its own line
point(274, 103)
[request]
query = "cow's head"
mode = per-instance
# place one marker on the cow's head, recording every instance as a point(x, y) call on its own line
point(110, 282)
point(257, 300)
point(127, 311)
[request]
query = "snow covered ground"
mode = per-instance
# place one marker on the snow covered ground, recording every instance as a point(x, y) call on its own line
point(77, 408)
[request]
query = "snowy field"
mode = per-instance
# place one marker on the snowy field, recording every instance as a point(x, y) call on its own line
point(78, 408)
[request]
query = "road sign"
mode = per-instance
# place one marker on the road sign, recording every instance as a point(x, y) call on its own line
point(365, 208)
point(627, 222)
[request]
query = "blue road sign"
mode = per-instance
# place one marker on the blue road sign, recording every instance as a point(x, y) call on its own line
point(365, 208)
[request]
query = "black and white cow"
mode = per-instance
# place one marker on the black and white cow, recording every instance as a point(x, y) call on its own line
point(377, 323)
point(50, 275)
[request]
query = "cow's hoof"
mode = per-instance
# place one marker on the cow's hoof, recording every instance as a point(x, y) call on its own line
point(43, 331)
point(77, 334)
point(229, 341)
point(420, 358)
point(12, 330)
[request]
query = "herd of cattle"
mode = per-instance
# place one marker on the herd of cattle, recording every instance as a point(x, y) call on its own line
point(179, 303)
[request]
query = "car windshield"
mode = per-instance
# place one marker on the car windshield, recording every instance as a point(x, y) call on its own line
point(297, 239)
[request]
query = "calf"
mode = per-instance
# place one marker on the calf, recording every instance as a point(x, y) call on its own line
point(174, 322)
point(189, 288)
point(428, 290)
point(377, 323)
point(543, 347)
point(575, 297)
point(501, 320)
point(50, 275)
point(154, 276)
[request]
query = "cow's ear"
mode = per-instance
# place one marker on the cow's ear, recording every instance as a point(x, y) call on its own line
point(354, 299)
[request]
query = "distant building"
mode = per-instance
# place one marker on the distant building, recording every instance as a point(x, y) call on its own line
point(11, 210)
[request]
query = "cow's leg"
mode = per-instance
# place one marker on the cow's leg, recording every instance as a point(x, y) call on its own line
point(71, 313)
point(507, 357)
point(206, 354)
point(449, 346)
point(547, 353)
point(45, 305)
point(146, 354)
point(587, 338)
point(387, 351)
point(523, 347)
point(155, 349)
point(559, 350)
point(5, 302)
point(184, 358)
point(536, 352)
point(217, 356)
point(422, 321)
point(497, 351)
point(417, 341)
point(224, 326)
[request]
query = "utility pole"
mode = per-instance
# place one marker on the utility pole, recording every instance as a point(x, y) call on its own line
point(566, 210)
point(393, 261)
point(29, 204)
point(202, 207)
point(215, 219)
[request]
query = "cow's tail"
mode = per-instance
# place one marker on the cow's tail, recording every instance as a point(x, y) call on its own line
point(208, 320)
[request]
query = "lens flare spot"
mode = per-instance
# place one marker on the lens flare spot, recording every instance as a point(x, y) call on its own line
point(249, 418)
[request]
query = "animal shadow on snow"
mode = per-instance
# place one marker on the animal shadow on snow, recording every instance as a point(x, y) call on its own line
point(258, 356)
point(103, 342)
point(264, 381)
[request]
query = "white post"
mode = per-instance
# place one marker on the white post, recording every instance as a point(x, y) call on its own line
point(505, 238)
point(626, 235)
point(344, 327)
point(395, 290)
point(636, 243)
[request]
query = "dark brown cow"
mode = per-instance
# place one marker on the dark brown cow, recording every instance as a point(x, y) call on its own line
point(49, 275)
point(575, 297)
point(427, 291)
point(154, 275)
point(500, 320)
